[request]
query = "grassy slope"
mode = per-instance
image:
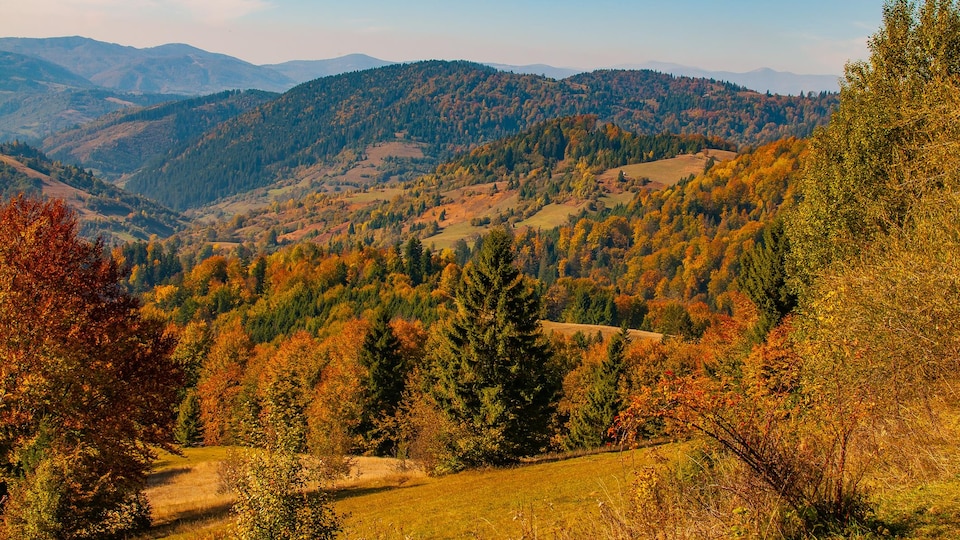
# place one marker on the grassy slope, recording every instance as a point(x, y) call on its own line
point(560, 495)
point(562, 499)
point(669, 171)
point(569, 329)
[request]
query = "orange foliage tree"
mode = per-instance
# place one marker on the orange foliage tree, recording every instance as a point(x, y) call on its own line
point(87, 386)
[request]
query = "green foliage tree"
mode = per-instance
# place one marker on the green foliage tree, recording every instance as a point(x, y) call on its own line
point(89, 386)
point(763, 277)
point(589, 424)
point(386, 378)
point(491, 364)
point(887, 143)
point(271, 483)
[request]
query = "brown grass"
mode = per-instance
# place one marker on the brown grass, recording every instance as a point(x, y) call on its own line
point(668, 171)
point(569, 329)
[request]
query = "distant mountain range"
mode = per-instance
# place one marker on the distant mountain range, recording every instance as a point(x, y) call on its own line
point(187, 70)
point(761, 80)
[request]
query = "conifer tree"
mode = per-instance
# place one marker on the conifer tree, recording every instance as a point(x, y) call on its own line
point(387, 373)
point(589, 424)
point(413, 260)
point(189, 430)
point(492, 377)
point(763, 278)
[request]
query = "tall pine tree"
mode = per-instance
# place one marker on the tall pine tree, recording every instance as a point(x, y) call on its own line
point(764, 278)
point(386, 376)
point(491, 365)
point(589, 424)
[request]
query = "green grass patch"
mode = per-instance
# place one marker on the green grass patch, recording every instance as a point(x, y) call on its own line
point(552, 215)
point(190, 457)
point(556, 498)
point(929, 510)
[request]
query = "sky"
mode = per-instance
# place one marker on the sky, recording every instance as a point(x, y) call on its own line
point(807, 37)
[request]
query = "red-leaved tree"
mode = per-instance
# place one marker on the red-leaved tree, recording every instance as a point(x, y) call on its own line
point(86, 384)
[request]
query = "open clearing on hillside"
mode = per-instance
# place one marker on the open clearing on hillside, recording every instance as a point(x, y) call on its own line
point(386, 502)
point(668, 171)
point(552, 215)
point(548, 499)
point(569, 329)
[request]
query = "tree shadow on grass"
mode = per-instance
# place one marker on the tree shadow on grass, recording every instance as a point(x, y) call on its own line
point(188, 520)
point(350, 492)
point(166, 476)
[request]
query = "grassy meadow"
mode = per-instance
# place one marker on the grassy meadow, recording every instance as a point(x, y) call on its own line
point(669, 171)
point(569, 497)
point(381, 499)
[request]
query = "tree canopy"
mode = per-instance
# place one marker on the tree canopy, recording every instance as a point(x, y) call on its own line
point(88, 387)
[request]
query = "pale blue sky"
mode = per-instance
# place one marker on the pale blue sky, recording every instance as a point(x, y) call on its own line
point(813, 36)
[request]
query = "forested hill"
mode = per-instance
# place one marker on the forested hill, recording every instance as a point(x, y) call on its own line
point(453, 106)
point(122, 142)
point(19, 73)
point(103, 210)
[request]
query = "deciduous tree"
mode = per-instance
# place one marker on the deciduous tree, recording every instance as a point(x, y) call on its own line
point(88, 388)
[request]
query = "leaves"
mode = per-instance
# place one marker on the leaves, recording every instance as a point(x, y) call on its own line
point(83, 374)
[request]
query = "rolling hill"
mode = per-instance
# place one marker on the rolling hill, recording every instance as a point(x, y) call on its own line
point(122, 142)
point(103, 210)
point(21, 73)
point(533, 180)
point(32, 115)
point(450, 107)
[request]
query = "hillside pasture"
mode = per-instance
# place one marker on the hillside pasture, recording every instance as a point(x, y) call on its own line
point(668, 172)
point(383, 499)
point(569, 329)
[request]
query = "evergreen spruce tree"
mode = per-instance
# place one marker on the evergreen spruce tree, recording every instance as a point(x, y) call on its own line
point(763, 278)
point(589, 424)
point(492, 377)
point(387, 373)
point(413, 260)
point(189, 430)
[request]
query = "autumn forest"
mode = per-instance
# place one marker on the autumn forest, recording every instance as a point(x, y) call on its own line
point(742, 305)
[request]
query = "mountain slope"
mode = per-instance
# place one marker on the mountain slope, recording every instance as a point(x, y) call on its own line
point(19, 73)
point(103, 210)
point(450, 107)
point(33, 115)
point(122, 142)
point(167, 69)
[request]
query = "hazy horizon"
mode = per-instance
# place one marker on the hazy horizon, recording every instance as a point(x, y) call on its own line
point(743, 36)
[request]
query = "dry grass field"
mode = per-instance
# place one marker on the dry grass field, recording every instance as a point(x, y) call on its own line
point(568, 497)
point(569, 329)
point(382, 500)
point(668, 172)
